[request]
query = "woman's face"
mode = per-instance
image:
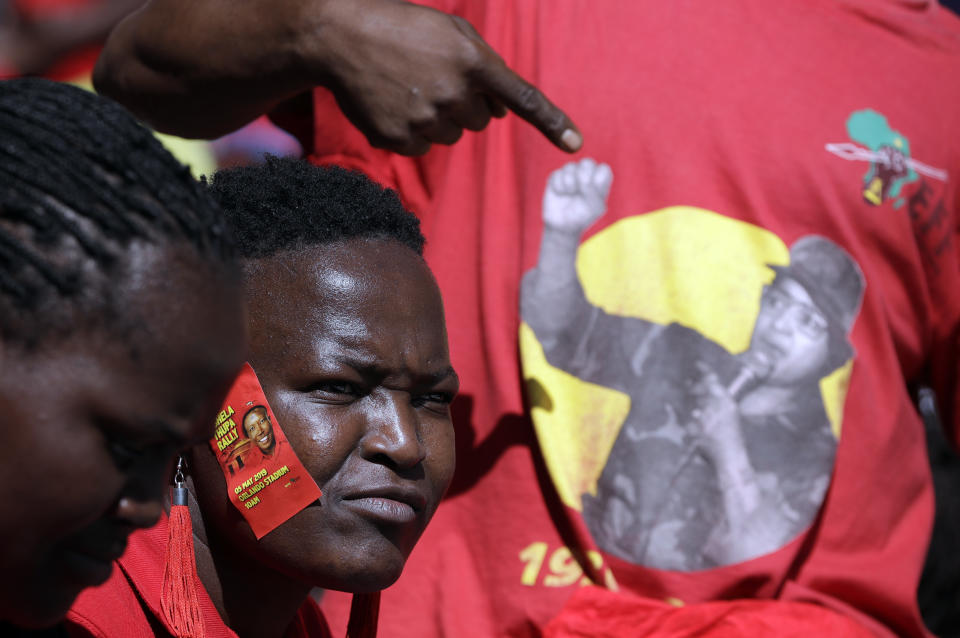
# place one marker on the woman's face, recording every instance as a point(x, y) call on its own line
point(91, 422)
point(349, 344)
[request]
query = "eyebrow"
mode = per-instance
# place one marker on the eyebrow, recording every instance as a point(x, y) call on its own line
point(445, 374)
point(370, 366)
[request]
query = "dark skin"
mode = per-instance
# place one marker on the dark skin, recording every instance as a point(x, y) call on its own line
point(93, 420)
point(350, 346)
point(407, 76)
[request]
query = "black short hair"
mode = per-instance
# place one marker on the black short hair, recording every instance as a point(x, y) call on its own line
point(286, 204)
point(80, 181)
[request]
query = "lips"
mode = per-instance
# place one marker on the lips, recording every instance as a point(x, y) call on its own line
point(769, 352)
point(396, 505)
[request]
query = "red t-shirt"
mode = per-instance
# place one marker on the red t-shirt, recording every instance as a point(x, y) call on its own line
point(814, 136)
point(129, 603)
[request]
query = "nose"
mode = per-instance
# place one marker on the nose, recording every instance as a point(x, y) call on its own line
point(783, 322)
point(393, 433)
point(139, 513)
point(141, 501)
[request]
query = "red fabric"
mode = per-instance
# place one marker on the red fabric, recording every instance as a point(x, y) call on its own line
point(728, 107)
point(179, 603)
point(127, 604)
point(599, 613)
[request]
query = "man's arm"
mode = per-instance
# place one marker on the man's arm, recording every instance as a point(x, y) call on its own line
point(407, 76)
point(756, 516)
point(551, 296)
point(576, 336)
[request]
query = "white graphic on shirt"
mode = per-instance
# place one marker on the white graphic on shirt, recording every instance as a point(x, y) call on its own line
point(721, 455)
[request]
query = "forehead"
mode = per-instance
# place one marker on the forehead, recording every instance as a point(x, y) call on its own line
point(360, 298)
point(173, 299)
point(792, 288)
point(174, 345)
point(255, 414)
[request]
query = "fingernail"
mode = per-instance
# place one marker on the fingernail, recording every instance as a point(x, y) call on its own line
point(571, 139)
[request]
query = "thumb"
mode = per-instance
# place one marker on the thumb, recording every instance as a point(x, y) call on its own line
point(526, 100)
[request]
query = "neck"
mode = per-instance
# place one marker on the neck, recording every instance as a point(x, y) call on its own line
point(253, 600)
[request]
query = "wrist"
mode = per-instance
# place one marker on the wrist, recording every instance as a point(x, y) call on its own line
point(564, 230)
point(327, 35)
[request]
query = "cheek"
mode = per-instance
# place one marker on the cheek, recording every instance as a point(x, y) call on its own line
point(321, 435)
point(440, 462)
point(66, 480)
point(815, 355)
point(804, 359)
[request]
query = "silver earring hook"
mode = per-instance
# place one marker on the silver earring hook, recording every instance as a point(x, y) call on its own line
point(179, 483)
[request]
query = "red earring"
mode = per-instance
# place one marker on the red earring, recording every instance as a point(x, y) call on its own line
point(178, 596)
point(364, 612)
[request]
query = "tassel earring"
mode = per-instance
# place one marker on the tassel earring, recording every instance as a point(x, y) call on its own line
point(364, 613)
point(178, 597)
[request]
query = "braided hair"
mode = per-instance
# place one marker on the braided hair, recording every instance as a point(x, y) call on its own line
point(80, 181)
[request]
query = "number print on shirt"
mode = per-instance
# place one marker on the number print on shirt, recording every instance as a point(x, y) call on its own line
point(561, 569)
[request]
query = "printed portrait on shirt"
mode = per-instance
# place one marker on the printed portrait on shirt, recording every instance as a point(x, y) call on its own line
point(687, 375)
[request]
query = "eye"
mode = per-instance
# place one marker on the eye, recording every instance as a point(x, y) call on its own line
point(775, 299)
point(334, 391)
point(124, 453)
point(812, 323)
point(436, 400)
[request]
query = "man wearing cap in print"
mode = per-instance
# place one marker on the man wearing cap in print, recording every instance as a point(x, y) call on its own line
point(722, 457)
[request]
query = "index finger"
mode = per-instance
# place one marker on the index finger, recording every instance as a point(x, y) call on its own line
point(531, 104)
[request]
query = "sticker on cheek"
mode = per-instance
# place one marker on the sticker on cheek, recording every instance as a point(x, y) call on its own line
point(265, 480)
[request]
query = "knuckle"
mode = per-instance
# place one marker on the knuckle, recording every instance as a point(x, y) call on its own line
point(390, 139)
point(472, 56)
point(449, 95)
point(553, 119)
point(423, 118)
point(471, 39)
point(529, 99)
point(449, 136)
point(463, 25)
point(477, 123)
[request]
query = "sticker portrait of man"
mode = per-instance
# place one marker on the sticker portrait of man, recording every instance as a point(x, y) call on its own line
point(258, 428)
point(722, 456)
